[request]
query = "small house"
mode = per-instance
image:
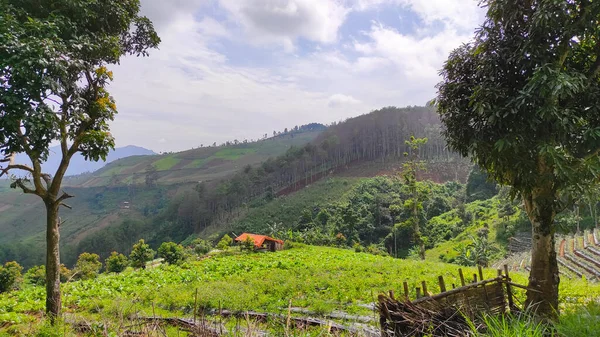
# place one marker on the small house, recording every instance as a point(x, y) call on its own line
point(261, 242)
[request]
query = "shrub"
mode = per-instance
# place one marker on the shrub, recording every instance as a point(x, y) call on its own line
point(201, 247)
point(140, 254)
point(65, 273)
point(171, 252)
point(248, 244)
point(116, 262)
point(10, 276)
point(88, 266)
point(225, 242)
point(36, 275)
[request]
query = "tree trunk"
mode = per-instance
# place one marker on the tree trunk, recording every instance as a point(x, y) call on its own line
point(544, 277)
point(53, 300)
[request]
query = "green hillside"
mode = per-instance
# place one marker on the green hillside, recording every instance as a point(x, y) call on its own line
point(201, 164)
point(100, 197)
point(320, 280)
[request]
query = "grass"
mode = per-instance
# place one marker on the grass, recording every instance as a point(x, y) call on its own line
point(234, 153)
point(166, 163)
point(319, 279)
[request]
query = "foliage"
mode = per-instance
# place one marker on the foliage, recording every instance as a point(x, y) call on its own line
point(477, 253)
point(88, 266)
point(140, 254)
point(521, 325)
point(315, 278)
point(53, 79)
point(116, 263)
point(248, 244)
point(478, 187)
point(65, 273)
point(36, 275)
point(580, 321)
point(521, 101)
point(225, 242)
point(201, 247)
point(171, 252)
point(10, 276)
point(414, 203)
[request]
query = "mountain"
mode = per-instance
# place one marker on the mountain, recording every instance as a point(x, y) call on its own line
point(79, 165)
point(171, 196)
point(100, 196)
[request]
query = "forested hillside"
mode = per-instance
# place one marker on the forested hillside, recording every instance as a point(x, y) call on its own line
point(207, 190)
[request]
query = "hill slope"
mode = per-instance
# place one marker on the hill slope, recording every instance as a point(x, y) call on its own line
point(200, 164)
point(78, 163)
point(318, 280)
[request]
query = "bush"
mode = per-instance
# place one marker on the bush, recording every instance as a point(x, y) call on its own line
point(140, 254)
point(171, 252)
point(248, 244)
point(65, 273)
point(225, 242)
point(201, 247)
point(36, 275)
point(10, 276)
point(88, 266)
point(116, 263)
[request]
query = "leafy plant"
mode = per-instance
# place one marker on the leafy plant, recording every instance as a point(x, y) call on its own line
point(116, 262)
point(10, 276)
point(201, 247)
point(140, 254)
point(171, 252)
point(88, 266)
point(36, 275)
point(225, 242)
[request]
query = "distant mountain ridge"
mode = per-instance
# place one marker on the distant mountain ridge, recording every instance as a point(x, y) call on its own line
point(79, 165)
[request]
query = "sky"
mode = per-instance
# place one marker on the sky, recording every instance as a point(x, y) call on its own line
point(237, 69)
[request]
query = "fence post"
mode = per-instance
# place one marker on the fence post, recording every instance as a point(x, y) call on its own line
point(442, 284)
point(462, 277)
point(508, 288)
point(406, 291)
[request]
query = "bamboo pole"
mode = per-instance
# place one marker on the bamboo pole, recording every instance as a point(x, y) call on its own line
point(442, 284)
point(508, 288)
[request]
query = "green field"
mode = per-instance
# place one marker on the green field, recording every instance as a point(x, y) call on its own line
point(319, 279)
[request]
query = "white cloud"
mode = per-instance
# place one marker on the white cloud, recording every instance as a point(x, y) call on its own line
point(190, 92)
point(338, 100)
point(283, 21)
point(462, 14)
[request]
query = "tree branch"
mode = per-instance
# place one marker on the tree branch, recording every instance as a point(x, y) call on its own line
point(63, 197)
point(65, 205)
point(19, 183)
point(5, 170)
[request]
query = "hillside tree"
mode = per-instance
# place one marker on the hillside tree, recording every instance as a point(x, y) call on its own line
point(522, 100)
point(414, 204)
point(53, 79)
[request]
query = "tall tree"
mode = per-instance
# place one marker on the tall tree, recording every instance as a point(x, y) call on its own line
point(522, 100)
point(414, 203)
point(53, 57)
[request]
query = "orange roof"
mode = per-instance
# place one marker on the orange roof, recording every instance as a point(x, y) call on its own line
point(258, 239)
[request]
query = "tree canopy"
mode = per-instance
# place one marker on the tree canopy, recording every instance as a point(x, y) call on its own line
point(53, 78)
point(521, 100)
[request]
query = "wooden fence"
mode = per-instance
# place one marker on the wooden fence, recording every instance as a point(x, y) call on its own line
point(450, 312)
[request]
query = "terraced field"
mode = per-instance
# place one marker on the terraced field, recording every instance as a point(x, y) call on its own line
point(578, 256)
